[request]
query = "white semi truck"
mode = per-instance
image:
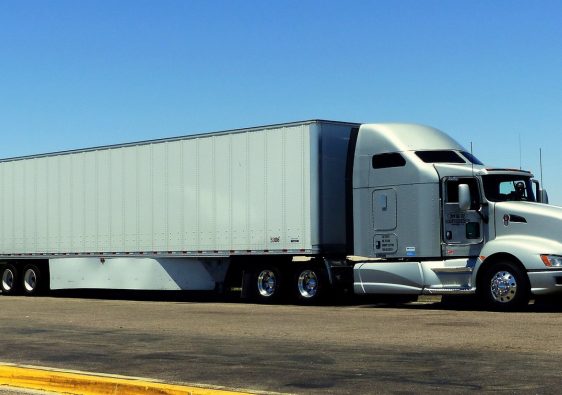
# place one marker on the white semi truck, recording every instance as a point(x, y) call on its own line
point(297, 209)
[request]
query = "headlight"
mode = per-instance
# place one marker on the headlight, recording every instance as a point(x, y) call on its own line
point(552, 260)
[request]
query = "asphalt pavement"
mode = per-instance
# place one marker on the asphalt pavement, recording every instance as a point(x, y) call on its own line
point(347, 349)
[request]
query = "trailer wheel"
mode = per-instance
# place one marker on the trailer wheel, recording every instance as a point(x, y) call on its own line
point(267, 284)
point(505, 287)
point(9, 282)
point(310, 284)
point(32, 281)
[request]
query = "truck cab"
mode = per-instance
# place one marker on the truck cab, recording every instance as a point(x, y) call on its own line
point(430, 218)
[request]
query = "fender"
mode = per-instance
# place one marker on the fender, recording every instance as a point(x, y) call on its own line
point(526, 249)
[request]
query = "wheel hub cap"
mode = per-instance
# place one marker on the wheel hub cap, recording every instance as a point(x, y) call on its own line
point(503, 287)
point(7, 279)
point(30, 280)
point(308, 284)
point(267, 283)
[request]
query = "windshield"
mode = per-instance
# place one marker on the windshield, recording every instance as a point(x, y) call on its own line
point(505, 187)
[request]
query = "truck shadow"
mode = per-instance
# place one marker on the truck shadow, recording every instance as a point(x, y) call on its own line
point(156, 296)
point(538, 305)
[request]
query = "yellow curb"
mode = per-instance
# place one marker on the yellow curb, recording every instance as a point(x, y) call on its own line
point(90, 384)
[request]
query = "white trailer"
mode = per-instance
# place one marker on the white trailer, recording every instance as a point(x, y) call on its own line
point(297, 210)
point(190, 213)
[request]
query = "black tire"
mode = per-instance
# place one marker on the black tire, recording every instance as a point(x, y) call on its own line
point(267, 284)
point(9, 280)
point(32, 280)
point(505, 287)
point(310, 284)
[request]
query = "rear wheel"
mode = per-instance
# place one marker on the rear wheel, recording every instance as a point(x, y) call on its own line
point(32, 281)
point(267, 284)
point(505, 286)
point(9, 282)
point(310, 284)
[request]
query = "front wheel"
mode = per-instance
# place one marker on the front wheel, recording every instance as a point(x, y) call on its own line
point(9, 282)
point(505, 287)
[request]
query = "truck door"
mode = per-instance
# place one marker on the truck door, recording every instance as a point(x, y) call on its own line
point(462, 230)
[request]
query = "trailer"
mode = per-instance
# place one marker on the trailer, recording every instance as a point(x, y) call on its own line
point(262, 205)
point(297, 210)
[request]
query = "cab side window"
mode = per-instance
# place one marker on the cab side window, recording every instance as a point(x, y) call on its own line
point(384, 161)
point(452, 191)
point(462, 227)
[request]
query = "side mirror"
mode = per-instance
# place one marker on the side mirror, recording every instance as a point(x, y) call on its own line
point(542, 196)
point(464, 197)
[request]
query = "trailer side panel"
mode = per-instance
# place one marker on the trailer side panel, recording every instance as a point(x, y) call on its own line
point(261, 190)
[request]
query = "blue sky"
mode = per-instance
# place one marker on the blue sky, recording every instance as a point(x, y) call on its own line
point(75, 74)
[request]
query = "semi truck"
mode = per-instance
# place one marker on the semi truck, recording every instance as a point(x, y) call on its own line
point(297, 210)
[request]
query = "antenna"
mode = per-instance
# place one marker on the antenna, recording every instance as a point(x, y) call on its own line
point(520, 151)
point(540, 164)
point(472, 159)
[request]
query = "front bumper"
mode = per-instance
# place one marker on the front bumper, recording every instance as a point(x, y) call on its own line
point(545, 282)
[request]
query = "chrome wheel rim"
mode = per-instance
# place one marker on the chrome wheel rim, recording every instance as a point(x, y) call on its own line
point(7, 280)
point(308, 284)
point(503, 287)
point(267, 283)
point(30, 280)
